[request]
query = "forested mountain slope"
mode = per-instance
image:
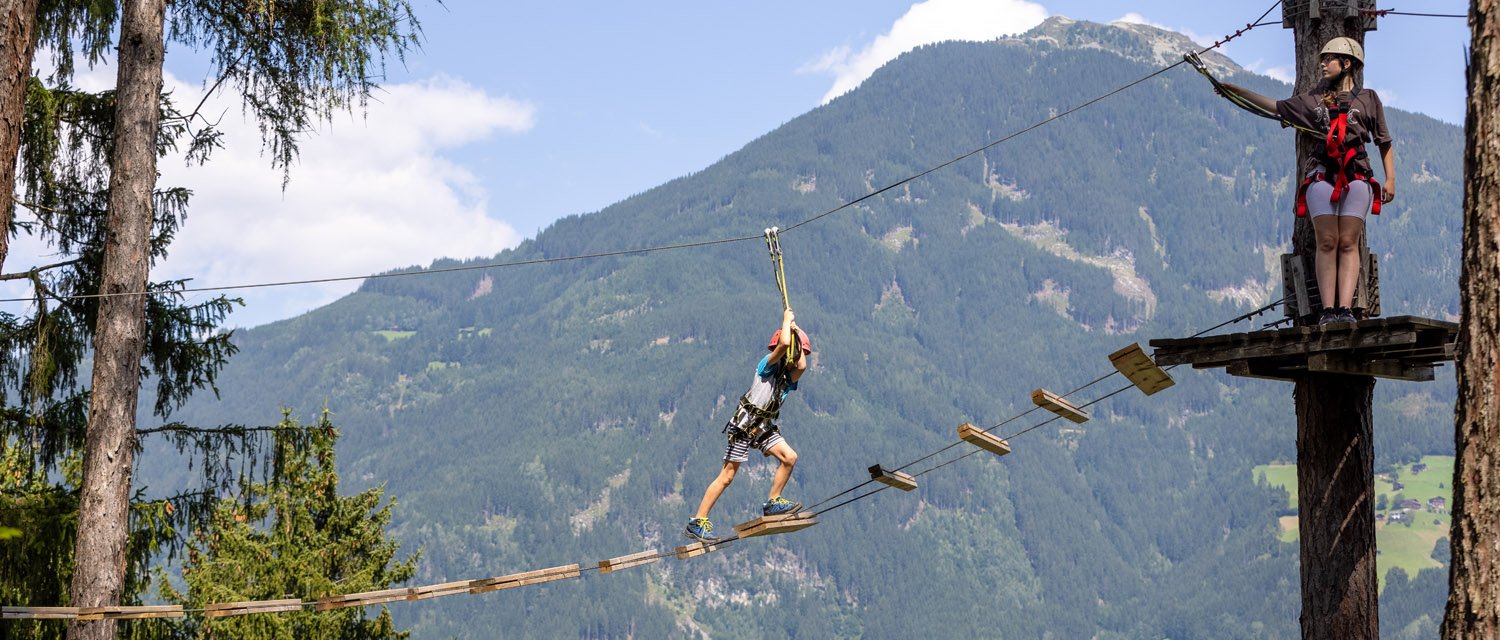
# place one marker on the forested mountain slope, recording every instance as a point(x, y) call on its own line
point(541, 415)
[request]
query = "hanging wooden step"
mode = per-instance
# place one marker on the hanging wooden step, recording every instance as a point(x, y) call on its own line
point(539, 576)
point(898, 479)
point(1140, 369)
point(438, 590)
point(625, 562)
point(767, 525)
point(39, 613)
point(1059, 405)
point(977, 437)
point(224, 609)
point(696, 549)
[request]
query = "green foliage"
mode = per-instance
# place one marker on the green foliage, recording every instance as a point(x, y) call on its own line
point(294, 537)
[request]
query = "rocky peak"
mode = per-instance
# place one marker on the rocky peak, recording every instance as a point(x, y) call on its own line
point(1135, 41)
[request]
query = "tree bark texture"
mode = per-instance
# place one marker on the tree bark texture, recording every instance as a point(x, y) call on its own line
point(17, 46)
point(1336, 514)
point(1335, 452)
point(1474, 577)
point(119, 341)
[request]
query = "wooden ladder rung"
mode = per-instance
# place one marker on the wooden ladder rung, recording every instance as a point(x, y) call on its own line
point(1140, 369)
point(539, 576)
point(979, 438)
point(225, 609)
point(625, 562)
point(898, 479)
point(1059, 405)
point(767, 525)
point(39, 613)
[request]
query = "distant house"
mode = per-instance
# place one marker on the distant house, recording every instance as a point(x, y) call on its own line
point(1437, 504)
point(1397, 516)
point(1408, 505)
point(1418, 468)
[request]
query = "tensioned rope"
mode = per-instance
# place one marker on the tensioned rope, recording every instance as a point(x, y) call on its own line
point(620, 252)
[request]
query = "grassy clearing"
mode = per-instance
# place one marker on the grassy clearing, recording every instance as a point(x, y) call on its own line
point(392, 336)
point(1400, 545)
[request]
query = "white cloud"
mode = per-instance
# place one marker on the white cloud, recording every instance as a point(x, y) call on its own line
point(924, 23)
point(1284, 74)
point(369, 192)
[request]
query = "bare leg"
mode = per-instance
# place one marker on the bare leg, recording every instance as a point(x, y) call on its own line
point(1326, 232)
point(788, 458)
point(1351, 229)
point(715, 488)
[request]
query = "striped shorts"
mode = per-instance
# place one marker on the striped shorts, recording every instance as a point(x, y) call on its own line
point(738, 449)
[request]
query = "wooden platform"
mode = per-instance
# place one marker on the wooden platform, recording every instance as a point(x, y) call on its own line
point(1399, 348)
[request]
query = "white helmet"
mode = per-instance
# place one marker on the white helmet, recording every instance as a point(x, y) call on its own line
point(1345, 47)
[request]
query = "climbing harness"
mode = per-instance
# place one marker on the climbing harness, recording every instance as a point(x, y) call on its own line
point(754, 423)
point(1340, 154)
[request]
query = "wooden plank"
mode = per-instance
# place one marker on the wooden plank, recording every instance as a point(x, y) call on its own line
point(1389, 369)
point(1059, 405)
point(1140, 369)
point(977, 437)
point(625, 562)
point(438, 590)
point(1283, 343)
point(768, 525)
point(1245, 369)
point(539, 576)
point(360, 598)
point(39, 613)
point(898, 479)
point(224, 609)
point(147, 612)
point(696, 549)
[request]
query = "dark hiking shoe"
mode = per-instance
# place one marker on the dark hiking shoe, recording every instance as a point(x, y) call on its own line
point(701, 529)
point(779, 506)
point(1328, 316)
point(1346, 315)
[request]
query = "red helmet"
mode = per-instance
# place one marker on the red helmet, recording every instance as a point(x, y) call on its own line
point(798, 337)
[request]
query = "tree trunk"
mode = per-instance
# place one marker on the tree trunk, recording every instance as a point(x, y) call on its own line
point(119, 340)
point(1335, 453)
point(1474, 578)
point(17, 46)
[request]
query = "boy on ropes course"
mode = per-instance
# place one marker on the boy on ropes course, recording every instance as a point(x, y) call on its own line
point(1338, 189)
point(754, 421)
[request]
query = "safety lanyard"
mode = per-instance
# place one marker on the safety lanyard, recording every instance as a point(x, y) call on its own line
point(773, 244)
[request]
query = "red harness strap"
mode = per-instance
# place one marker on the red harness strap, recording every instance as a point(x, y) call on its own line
point(1333, 147)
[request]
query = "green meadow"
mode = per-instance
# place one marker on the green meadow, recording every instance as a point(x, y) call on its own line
point(1406, 542)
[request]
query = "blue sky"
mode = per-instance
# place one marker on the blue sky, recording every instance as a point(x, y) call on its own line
point(514, 114)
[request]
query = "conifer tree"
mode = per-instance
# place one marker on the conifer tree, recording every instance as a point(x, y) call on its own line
point(294, 537)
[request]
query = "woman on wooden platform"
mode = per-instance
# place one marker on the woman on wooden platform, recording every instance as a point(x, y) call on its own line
point(1339, 189)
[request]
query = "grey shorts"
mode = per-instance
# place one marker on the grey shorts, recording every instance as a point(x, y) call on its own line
point(1355, 202)
point(738, 449)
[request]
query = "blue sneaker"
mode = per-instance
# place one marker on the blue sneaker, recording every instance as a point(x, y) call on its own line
point(701, 529)
point(778, 506)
